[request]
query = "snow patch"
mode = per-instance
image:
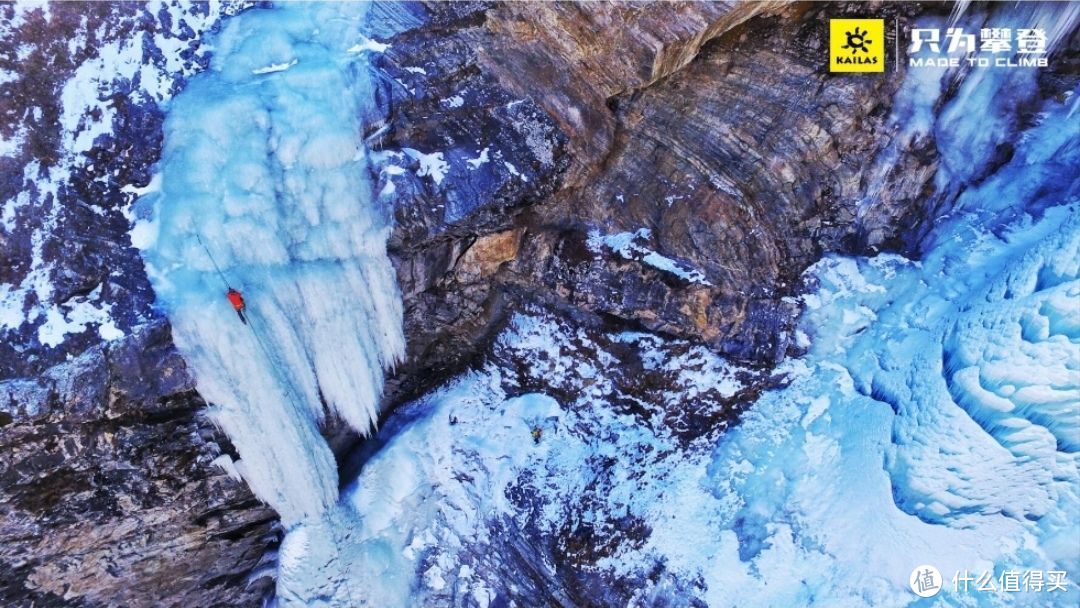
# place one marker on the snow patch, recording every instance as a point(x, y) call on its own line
point(74, 316)
point(629, 246)
point(482, 159)
point(431, 165)
point(11, 306)
point(368, 45)
point(514, 171)
point(274, 67)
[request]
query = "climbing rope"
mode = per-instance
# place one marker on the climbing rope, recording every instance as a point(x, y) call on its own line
point(213, 261)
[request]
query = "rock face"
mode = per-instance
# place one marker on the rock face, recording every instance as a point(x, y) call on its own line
point(708, 142)
point(574, 58)
point(736, 170)
point(111, 494)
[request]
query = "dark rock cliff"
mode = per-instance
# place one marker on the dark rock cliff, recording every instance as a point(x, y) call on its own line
point(715, 135)
point(110, 493)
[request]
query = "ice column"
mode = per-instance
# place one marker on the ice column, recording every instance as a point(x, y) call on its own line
point(264, 163)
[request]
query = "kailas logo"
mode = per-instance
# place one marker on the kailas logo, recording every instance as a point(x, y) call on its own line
point(857, 41)
point(856, 45)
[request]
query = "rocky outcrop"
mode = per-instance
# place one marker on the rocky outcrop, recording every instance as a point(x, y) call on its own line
point(572, 58)
point(111, 492)
point(710, 138)
point(747, 164)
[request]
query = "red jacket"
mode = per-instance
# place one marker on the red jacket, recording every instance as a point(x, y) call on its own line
point(235, 299)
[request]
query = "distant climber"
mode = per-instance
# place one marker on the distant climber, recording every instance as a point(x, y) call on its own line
point(237, 302)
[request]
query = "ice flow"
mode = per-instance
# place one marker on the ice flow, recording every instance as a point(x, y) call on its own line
point(264, 162)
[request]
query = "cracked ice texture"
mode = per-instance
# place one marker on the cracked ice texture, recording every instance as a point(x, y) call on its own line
point(268, 168)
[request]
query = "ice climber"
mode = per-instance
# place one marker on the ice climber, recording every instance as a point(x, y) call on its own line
point(237, 302)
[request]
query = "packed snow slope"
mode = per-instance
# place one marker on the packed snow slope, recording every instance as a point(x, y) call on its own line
point(935, 419)
point(264, 173)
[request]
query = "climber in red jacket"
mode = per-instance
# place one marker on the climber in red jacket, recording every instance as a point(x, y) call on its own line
point(237, 302)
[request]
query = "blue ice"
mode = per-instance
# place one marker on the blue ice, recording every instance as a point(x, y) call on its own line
point(264, 163)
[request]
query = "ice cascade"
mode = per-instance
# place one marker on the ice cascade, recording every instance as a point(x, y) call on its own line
point(264, 163)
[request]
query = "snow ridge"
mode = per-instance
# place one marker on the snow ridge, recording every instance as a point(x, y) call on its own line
point(266, 167)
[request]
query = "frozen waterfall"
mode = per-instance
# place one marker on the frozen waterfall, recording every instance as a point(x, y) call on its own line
point(264, 162)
